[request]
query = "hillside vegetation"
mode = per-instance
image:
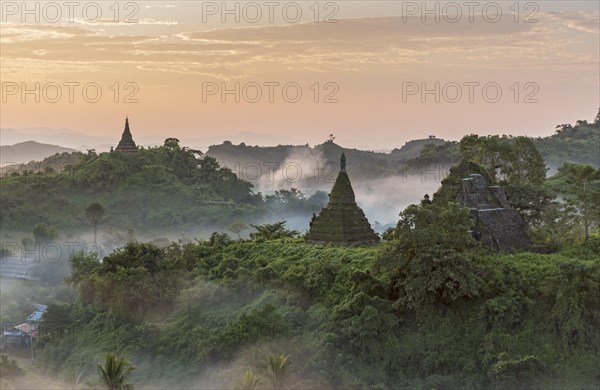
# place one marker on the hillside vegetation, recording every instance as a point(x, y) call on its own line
point(165, 188)
point(576, 143)
point(427, 308)
point(201, 314)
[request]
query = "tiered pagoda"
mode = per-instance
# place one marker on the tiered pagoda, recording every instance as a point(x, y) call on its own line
point(127, 144)
point(341, 222)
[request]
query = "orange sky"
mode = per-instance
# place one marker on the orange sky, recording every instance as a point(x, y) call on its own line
point(357, 76)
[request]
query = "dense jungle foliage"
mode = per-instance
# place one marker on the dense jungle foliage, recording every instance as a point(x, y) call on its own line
point(427, 308)
point(165, 188)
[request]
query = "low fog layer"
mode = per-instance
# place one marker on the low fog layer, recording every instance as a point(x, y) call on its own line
point(382, 199)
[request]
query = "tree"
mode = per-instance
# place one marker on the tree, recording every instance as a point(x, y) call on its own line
point(95, 213)
point(506, 159)
point(489, 152)
point(523, 163)
point(43, 233)
point(531, 200)
point(366, 326)
point(295, 201)
point(171, 143)
point(129, 281)
point(83, 269)
point(430, 263)
point(272, 231)
point(581, 187)
point(278, 370)
point(114, 372)
point(238, 227)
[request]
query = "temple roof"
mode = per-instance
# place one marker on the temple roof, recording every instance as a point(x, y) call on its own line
point(127, 144)
point(341, 221)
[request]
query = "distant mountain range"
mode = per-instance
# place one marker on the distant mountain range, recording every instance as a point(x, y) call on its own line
point(25, 152)
point(574, 143)
point(77, 140)
point(67, 138)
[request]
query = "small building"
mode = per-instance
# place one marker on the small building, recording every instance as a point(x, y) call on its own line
point(341, 222)
point(497, 224)
point(15, 337)
point(37, 314)
point(127, 144)
point(25, 333)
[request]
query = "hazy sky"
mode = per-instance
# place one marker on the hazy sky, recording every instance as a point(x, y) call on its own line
point(360, 66)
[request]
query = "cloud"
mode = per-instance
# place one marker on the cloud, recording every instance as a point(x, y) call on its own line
point(588, 22)
point(160, 6)
point(138, 22)
point(377, 44)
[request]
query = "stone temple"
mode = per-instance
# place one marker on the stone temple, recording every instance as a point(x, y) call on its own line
point(341, 222)
point(497, 224)
point(127, 144)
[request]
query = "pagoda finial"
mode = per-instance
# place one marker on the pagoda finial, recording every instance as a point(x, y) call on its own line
point(127, 131)
point(343, 163)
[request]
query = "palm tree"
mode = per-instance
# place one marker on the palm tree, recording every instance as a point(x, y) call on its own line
point(114, 372)
point(250, 382)
point(278, 370)
point(94, 214)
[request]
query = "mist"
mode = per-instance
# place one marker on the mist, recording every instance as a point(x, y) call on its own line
point(307, 170)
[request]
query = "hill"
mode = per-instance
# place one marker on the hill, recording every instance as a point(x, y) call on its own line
point(412, 149)
point(55, 163)
point(201, 193)
point(577, 143)
point(25, 152)
point(212, 310)
point(157, 190)
point(187, 189)
point(317, 166)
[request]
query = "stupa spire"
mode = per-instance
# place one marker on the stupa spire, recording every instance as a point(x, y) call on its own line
point(127, 131)
point(127, 144)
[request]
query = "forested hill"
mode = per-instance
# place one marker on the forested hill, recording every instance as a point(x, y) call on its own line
point(160, 187)
point(161, 190)
point(323, 158)
point(576, 143)
point(174, 186)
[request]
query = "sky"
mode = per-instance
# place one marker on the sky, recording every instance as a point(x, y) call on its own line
point(373, 73)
